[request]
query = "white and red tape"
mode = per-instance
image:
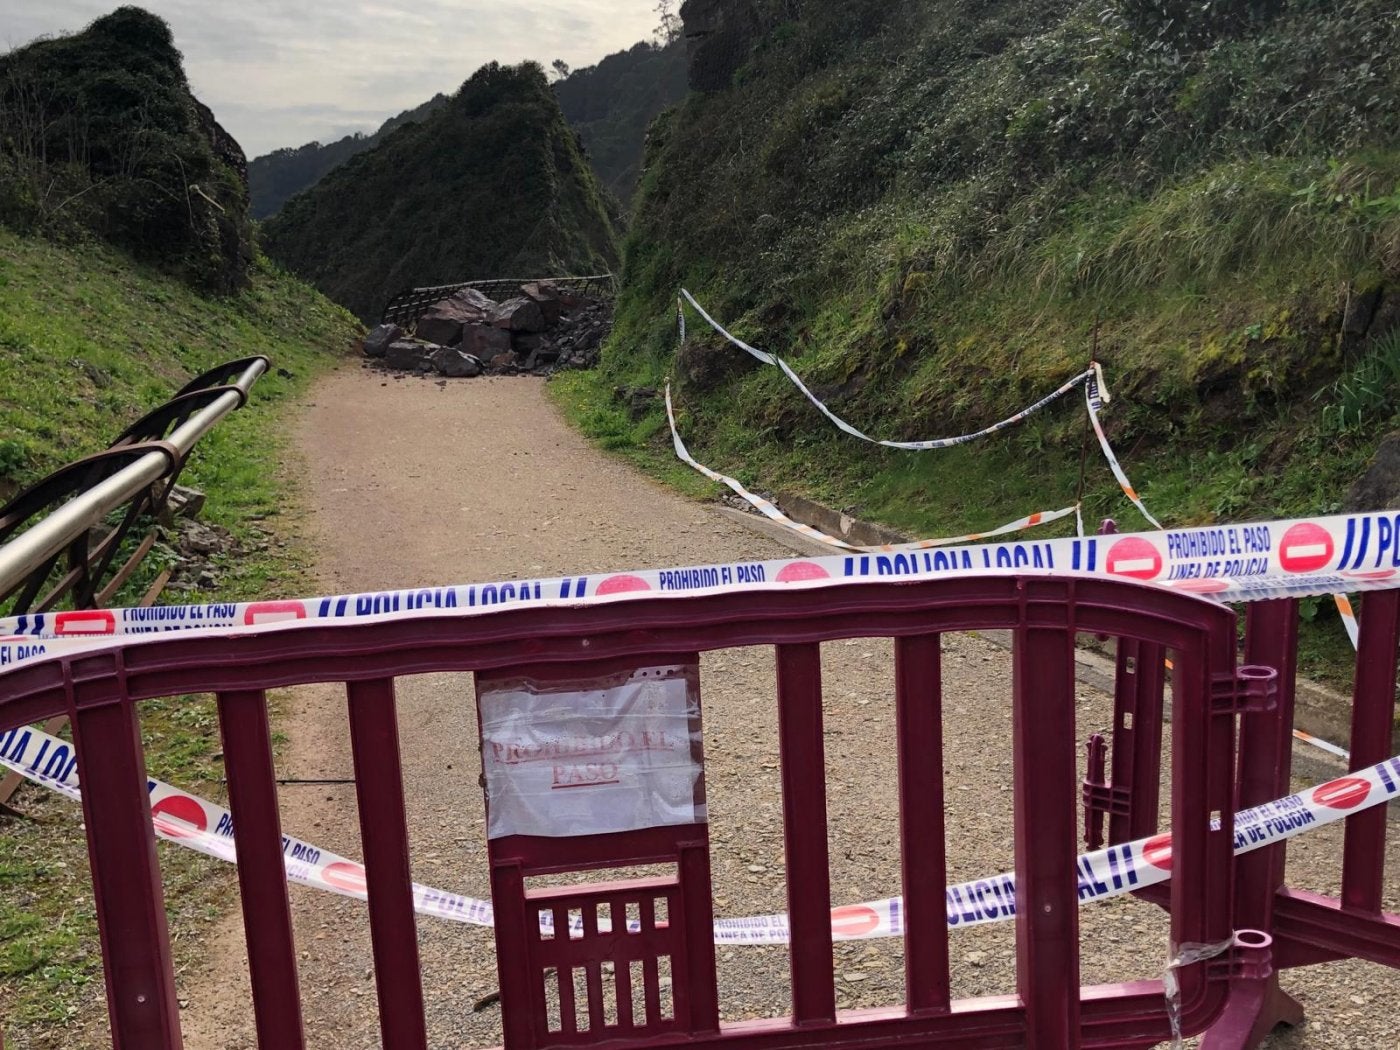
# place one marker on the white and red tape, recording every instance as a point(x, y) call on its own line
point(200, 825)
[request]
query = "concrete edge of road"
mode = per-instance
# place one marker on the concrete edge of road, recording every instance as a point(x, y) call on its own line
point(1095, 670)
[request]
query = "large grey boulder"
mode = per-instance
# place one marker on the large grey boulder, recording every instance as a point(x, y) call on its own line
point(473, 299)
point(1379, 487)
point(484, 341)
point(519, 315)
point(379, 338)
point(455, 364)
point(443, 322)
point(410, 355)
point(548, 299)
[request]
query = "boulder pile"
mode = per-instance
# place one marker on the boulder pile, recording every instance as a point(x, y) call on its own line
point(543, 329)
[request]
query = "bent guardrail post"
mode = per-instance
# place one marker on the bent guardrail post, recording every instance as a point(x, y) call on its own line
point(71, 521)
point(137, 471)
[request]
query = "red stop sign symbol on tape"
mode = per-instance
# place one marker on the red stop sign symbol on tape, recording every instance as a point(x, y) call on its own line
point(85, 621)
point(853, 920)
point(273, 612)
point(179, 816)
point(622, 584)
point(796, 571)
point(1158, 852)
point(1346, 793)
point(346, 876)
point(1134, 557)
point(1305, 548)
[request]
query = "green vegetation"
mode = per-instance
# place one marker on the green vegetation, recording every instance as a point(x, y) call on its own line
point(931, 208)
point(278, 176)
point(493, 184)
point(89, 341)
point(99, 133)
point(611, 104)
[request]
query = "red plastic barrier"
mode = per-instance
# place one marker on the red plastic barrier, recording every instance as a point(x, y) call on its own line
point(1307, 928)
point(1047, 1009)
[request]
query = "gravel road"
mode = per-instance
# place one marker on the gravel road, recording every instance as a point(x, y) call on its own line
point(410, 482)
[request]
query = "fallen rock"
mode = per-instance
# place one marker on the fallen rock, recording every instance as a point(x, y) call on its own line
point(484, 341)
point(544, 355)
point(379, 338)
point(1379, 487)
point(183, 502)
point(408, 355)
point(638, 401)
point(547, 299)
point(455, 364)
point(569, 300)
point(444, 322)
point(519, 315)
point(473, 299)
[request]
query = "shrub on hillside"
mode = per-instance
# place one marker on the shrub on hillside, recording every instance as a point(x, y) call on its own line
point(99, 133)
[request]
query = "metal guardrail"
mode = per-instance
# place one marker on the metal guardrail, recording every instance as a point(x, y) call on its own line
point(407, 306)
point(136, 475)
point(138, 471)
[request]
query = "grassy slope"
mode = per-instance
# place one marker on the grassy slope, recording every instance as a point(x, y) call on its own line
point(927, 207)
point(64, 312)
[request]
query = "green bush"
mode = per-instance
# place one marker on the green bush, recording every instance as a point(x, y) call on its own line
point(99, 133)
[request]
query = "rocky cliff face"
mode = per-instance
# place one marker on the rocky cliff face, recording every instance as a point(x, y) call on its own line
point(99, 131)
point(720, 33)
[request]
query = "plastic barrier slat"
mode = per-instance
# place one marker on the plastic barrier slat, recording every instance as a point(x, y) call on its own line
point(140, 980)
point(522, 993)
point(1265, 763)
point(1314, 929)
point(1203, 757)
point(699, 998)
point(374, 745)
point(1137, 736)
point(805, 829)
point(1373, 714)
point(1047, 912)
point(923, 848)
point(262, 879)
point(1265, 760)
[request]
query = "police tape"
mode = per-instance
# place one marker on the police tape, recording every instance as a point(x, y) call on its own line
point(912, 446)
point(207, 828)
point(1106, 873)
point(1093, 399)
point(1095, 393)
point(1348, 615)
point(1226, 563)
point(770, 511)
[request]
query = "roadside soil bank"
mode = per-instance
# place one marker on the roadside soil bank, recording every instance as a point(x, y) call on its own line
point(411, 482)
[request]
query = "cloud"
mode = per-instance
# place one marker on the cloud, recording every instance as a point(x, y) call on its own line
point(283, 73)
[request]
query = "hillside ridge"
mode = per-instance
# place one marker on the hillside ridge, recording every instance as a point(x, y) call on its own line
point(491, 184)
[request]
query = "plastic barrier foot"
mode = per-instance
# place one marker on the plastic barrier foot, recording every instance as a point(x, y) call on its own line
point(1257, 1005)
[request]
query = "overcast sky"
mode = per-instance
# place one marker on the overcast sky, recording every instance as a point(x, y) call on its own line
point(286, 72)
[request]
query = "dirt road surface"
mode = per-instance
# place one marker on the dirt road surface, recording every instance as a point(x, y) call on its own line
point(411, 483)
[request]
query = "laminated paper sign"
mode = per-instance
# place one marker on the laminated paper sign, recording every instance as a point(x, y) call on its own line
point(595, 756)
